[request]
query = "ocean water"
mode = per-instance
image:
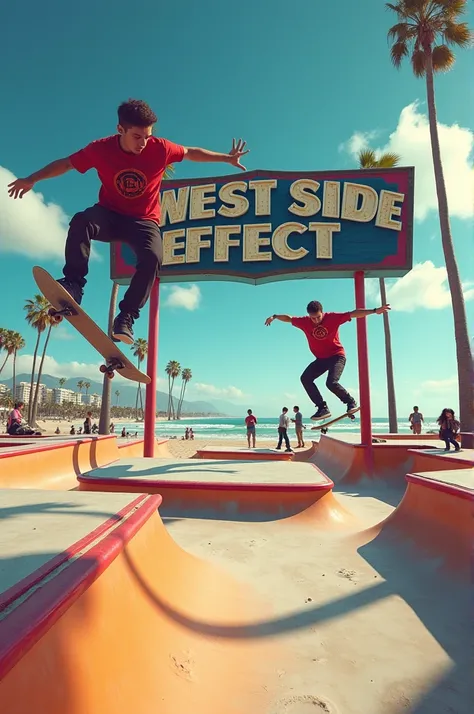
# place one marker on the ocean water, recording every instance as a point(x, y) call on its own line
point(234, 428)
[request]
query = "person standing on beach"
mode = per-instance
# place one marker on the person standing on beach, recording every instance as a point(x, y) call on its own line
point(251, 421)
point(298, 422)
point(130, 165)
point(415, 419)
point(322, 332)
point(283, 426)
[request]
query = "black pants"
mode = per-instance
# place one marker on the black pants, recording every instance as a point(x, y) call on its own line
point(143, 237)
point(283, 434)
point(448, 437)
point(334, 366)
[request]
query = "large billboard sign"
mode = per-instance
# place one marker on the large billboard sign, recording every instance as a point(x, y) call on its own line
point(264, 226)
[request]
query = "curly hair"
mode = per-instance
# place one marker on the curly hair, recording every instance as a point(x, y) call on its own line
point(314, 306)
point(136, 112)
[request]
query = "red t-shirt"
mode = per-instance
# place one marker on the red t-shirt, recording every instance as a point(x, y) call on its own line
point(323, 339)
point(130, 182)
point(250, 420)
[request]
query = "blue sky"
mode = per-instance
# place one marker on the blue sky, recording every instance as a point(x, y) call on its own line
point(305, 89)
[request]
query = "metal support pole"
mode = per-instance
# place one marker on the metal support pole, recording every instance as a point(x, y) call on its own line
point(363, 358)
point(152, 371)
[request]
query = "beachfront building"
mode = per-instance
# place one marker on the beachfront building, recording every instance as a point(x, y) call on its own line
point(4, 389)
point(93, 400)
point(64, 396)
point(23, 392)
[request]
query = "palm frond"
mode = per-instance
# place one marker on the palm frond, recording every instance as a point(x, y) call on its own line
point(418, 62)
point(401, 32)
point(398, 51)
point(457, 33)
point(367, 159)
point(388, 160)
point(443, 58)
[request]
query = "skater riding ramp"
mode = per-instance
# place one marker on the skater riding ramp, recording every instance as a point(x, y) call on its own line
point(123, 620)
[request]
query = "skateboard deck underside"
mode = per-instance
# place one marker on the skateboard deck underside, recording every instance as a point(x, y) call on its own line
point(325, 424)
point(60, 299)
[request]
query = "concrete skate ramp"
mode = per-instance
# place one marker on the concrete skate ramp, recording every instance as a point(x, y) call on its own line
point(230, 490)
point(85, 626)
point(56, 463)
point(345, 462)
point(434, 517)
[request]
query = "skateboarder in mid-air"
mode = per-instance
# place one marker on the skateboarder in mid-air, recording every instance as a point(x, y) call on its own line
point(322, 332)
point(130, 166)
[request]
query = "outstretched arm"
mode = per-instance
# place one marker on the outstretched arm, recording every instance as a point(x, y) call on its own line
point(282, 318)
point(18, 188)
point(204, 155)
point(366, 313)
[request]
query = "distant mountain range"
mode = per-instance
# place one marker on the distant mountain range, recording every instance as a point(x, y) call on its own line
point(128, 395)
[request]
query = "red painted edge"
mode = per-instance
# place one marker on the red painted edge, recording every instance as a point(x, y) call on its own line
point(451, 489)
point(25, 625)
point(54, 447)
point(387, 444)
point(247, 457)
point(130, 443)
point(450, 459)
point(15, 591)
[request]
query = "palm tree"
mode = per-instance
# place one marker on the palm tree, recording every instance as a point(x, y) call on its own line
point(104, 420)
point(87, 386)
point(173, 368)
point(368, 159)
point(140, 351)
point(62, 381)
point(426, 30)
point(38, 318)
point(186, 376)
point(51, 324)
point(117, 394)
point(4, 337)
point(15, 343)
point(80, 385)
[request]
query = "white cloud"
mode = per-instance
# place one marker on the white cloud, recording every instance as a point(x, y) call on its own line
point(30, 226)
point(440, 385)
point(24, 364)
point(210, 390)
point(425, 286)
point(61, 332)
point(188, 298)
point(411, 140)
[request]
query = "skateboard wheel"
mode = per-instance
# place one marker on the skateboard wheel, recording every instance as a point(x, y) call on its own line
point(110, 375)
point(103, 368)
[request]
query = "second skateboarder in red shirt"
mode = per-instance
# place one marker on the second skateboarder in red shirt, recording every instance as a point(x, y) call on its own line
point(322, 332)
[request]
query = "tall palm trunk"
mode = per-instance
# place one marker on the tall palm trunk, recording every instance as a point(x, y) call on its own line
point(392, 403)
point(30, 401)
point(40, 371)
point(169, 397)
point(104, 420)
point(172, 398)
point(4, 363)
point(14, 376)
point(463, 348)
point(181, 397)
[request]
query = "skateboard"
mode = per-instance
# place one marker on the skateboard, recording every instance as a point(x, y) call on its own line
point(64, 306)
point(323, 428)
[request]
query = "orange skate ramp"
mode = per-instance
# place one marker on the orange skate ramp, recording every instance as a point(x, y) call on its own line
point(435, 516)
point(55, 464)
point(99, 625)
point(345, 462)
point(229, 490)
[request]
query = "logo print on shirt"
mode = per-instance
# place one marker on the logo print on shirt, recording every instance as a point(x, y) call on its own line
point(320, 332)
point(130, 183)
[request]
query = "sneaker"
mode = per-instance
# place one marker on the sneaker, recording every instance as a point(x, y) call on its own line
point(74, 290)
point(122, 329)
point(288, 451)
point(322, 413)
point(351, 406)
